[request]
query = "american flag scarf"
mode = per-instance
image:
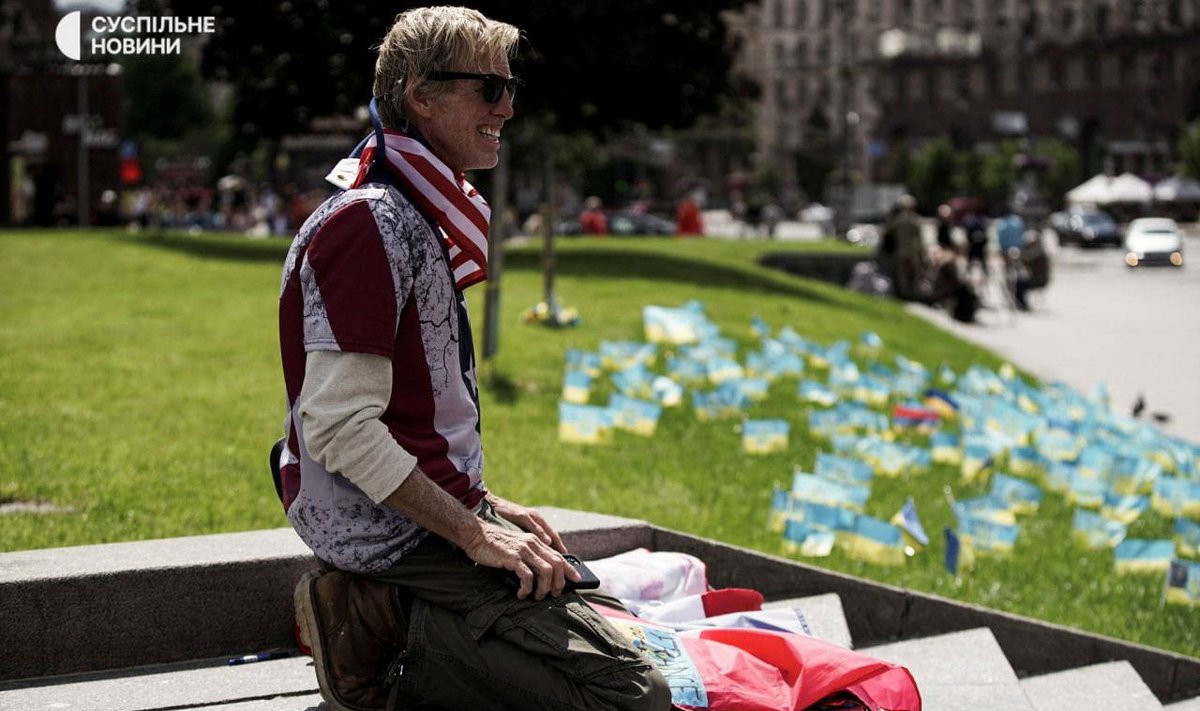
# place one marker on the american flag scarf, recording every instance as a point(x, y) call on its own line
point(459, 210)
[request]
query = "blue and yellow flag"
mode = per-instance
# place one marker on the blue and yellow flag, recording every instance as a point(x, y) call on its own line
point(1175, 496)
point(1085, 491)
point(844, 469)
point(1187, 537)
point(1093, 531)
point(910, 524)
point(634, 381)
point(945, 448)
point(960, 555)
point(810, 487)
point(584, 424)
point(620, 355)
point(874, 541)
point(807, 541)
point(577, 387)
point(632, 415)
point(817, 394)
point(764, 436)
point(1022, 496)
point(1135, 555)
point(584, 361)
point(1125, 508)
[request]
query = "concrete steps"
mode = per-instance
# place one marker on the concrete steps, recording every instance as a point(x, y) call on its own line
point(960, 670)
point(102, 628)
point(278, 685)
point(1113, 686)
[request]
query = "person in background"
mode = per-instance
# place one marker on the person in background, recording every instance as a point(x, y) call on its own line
point(687, 217)
point(592, 220)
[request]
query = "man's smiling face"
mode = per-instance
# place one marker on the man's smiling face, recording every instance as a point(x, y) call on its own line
point(461, 127)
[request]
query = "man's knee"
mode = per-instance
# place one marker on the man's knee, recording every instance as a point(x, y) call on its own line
point(657, 696)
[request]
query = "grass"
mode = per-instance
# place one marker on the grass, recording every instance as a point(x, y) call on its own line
point(140, 385)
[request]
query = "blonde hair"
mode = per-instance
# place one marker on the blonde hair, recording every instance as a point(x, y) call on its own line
point(430, 39)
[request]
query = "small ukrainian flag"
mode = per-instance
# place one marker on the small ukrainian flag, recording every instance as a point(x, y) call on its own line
point(1135, 555)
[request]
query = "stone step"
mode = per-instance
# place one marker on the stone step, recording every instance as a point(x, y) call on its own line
point(824, 615)
point(959, 670)
point(278, 685)
point(1112, 686)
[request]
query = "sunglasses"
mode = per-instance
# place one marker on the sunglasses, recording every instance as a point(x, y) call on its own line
point(493, 84)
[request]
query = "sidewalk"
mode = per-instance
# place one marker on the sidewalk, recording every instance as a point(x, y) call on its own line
point(1137, 331)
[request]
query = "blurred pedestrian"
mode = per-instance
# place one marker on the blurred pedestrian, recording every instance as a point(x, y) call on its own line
point(945, 239)
point(910, 250)
point(592, 220)
point(687, 217)
point(977, 241)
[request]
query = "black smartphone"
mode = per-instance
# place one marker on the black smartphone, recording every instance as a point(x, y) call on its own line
point(587, 581)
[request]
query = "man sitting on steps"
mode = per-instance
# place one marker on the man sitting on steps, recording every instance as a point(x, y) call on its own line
point(383, 468)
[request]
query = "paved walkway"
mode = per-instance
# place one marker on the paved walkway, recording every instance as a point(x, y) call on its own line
point(1136, 330)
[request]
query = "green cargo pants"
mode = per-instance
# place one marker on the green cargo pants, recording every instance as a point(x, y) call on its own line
point(473, 645)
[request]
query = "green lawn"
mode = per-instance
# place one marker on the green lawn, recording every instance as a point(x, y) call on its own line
point(140, 386)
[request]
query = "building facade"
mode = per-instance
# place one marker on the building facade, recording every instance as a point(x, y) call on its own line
point(1117, 78)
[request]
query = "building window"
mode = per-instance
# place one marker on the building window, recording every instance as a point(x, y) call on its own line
point(900, 89)
point(801, 54)
point(876, 9)
point(801, 13)
point(779, 8)
point(1129, 73)
point(1175, 13)
point(931, 83)
point(1140, 16)
point(1058, 76)
point(1067, 20)
point(1095, 76)
point(906, 12)
point(1103, 13)
point(1163, 68)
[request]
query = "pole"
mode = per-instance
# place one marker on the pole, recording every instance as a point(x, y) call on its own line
point(549, 194)
point(498, 232)
point(83, 211)
point(843, 213)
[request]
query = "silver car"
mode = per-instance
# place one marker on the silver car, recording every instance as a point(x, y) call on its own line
point(1153, 240)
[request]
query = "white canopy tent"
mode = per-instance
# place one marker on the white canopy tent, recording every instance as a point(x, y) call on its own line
point(1104, 190)
point(1127, 187)
point(1177, 189)
point(1094, 191)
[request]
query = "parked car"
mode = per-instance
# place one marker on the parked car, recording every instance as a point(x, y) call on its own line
point(1086, 228)
point(1153, 240)
point(624, 223)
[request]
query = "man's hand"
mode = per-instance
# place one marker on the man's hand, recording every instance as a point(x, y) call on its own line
point(528, 520)
point(540, 568)
point(535, 555)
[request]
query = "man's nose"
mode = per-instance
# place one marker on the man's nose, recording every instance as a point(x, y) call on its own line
point(504, 107)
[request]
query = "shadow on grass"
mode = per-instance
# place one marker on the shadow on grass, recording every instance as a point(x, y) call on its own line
point(223, 247)
point(500, 385)
point(636, 264)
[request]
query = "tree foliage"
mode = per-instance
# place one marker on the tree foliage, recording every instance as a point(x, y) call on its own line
point(589, 65)
point(1189, 151)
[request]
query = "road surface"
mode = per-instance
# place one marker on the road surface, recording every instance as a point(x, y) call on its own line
point(1135, 330)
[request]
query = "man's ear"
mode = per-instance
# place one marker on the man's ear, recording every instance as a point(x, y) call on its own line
point(419, 104)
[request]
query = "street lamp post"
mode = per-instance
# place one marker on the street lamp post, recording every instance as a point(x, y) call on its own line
point(842, 217)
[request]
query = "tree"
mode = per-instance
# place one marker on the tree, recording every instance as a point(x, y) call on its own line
point(592, 66)
point(933, 173)
point(1189, 150)
point(816, 158)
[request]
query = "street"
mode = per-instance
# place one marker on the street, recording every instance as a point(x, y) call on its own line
point(1135, 330)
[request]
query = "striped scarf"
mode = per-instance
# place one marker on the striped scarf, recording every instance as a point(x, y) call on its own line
point(459, 210)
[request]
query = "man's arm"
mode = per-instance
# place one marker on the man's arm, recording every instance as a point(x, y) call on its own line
point(343, 396)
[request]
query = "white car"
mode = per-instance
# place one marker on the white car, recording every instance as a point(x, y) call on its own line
point(1153, 240)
